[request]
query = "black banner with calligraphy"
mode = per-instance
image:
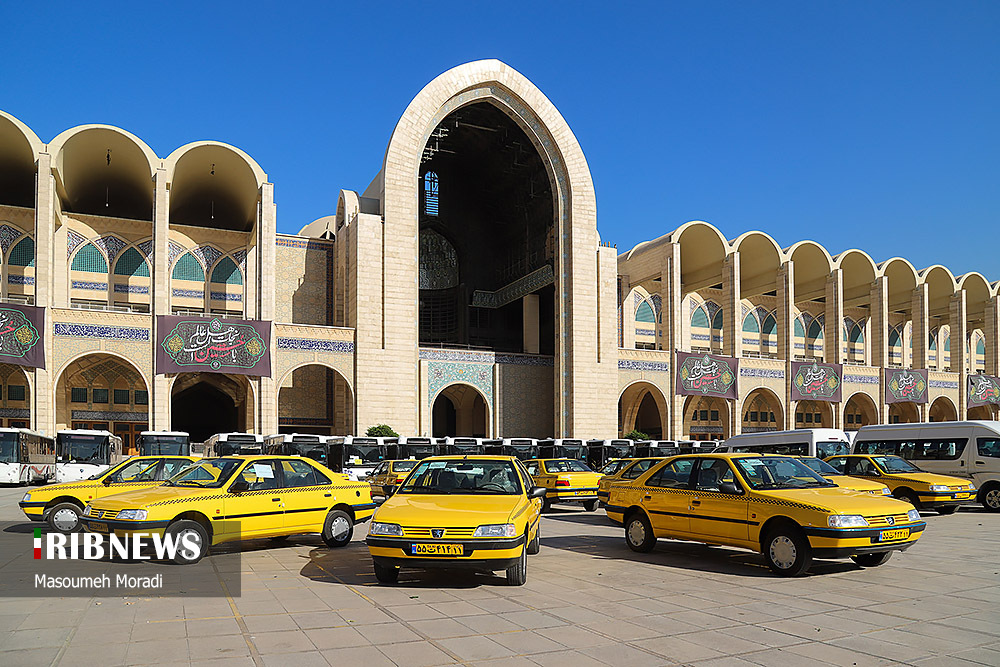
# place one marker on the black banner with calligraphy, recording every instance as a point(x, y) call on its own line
point(707, 375)
point(21, 330)
point(816, 381)
point(905, 385)
point(213, 345)
point(983, 390)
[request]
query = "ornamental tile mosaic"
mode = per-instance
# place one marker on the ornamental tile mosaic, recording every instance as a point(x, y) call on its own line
point(862, 379)
point(99, 331)
point(15, 413)
point(174, 250)
point(8, 235)
point(240, 257)
point(712, 308)
point(207, 255)
point(773, 373)
point(20, 280)
point(443, 373)
point(515, 290)
point(438, 265)
point(304, 244)
point(657, 303)
point(942, 384)
point(111, 245)
point(84, 284)
point(146, 248)
point(652, 332)
point(636, 365)
point(745, 309)
point(190, 293)
point(73, 241)
point(131, 289)
point(510, 358)
point(107, 415)
point(224, 296)
point(341, 346)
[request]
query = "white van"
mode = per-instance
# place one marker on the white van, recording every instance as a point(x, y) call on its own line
point(820, 442)
point(970, 450)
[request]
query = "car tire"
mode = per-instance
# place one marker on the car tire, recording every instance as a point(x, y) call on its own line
point(535, 545)
point(590, 505)
point(517, 575)
point(787, 551)
point(64, 518)
point(989, 497)
point(951, 509)
point(338, 529)
point(386, 574)
point(546, 506)
point(639, 533)
point(872, 560)
point(908, 496)
point(178, 530)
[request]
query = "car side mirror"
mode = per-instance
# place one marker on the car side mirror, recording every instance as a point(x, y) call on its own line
point(537, 492)
point(107, 480)
point(239, 486)
point(390, 491)
point(730, 488)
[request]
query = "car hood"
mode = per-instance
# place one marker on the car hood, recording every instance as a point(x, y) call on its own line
point(841, 501)
point(140, 498)
point(457, 510)
point(54, 490)
point(928, 478)
point(855, 483)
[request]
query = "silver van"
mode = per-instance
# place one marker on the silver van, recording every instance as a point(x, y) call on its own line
point(819, 442)
point(969, 449)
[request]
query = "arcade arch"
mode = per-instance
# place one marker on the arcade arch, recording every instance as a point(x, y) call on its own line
point(315, 398)
point(204, 404)
point(460, 410)
point(860, 410)
point(642, 407)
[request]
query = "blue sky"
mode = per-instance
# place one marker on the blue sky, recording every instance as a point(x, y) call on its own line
point(856, 124)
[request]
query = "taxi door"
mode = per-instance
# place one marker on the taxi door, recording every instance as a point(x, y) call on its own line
point(665, 496)
point(306, 497)
point(717, 512)
point(257, 510)
point(534, 504)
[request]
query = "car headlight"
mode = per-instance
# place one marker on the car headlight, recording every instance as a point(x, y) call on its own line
point(972, 487)
point(913, 515)
point(86, 510)
point(886, 491)
point(496, 530)
point(132, 515)
point(27, 498)
point(938, 487)
point(376, 528)
point(846, 521)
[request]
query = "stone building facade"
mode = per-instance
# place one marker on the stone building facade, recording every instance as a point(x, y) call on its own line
point(465, 291)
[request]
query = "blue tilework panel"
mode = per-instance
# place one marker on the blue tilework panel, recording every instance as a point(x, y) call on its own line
point(84, 284)
point(862, 379)
point(636, 365)
point(942, 384)
point(774, 373)
point(131, 289)
point(443, 373)
point(73, 240)
point(486, 357)
point(341, 346)
point(192, 293)
point(99, 331)
point(223, 296)
point(652, 332)
point(20, 280)
point(109, 415)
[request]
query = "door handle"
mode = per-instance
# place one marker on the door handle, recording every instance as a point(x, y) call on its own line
point(980, 463)
point(274, 500)
point(695, 501)
point(647, 497)
point(327, 495)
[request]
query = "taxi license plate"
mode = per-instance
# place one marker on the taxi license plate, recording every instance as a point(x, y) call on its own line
point(961, 495)
point(898, 534)
point(436, 549)
point(98, 527)
point(579, 493)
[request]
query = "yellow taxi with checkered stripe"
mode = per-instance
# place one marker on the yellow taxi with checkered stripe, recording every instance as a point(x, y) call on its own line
point(631, 470)
point(565, 481)
point(774, 505)
point(236, 498)
point(459, 512)
point(824, 469)
point(908, 482)
point(60, 505)
point(390, 474)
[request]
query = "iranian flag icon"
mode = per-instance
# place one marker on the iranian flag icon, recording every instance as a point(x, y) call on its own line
point(38, 543)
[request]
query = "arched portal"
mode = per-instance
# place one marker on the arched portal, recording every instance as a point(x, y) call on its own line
point(642, 407)
point(315, 399)
point(813, 414)
point(204, 404)
point(904, 413)
point(860, 410)
point(986, 412)
point(103, 392)
point(460, 410)
point(943, 410)
point(16, 397)
point(706, 418)
point(762, 412)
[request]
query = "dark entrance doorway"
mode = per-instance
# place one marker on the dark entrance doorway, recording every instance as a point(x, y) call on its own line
point(203, 410)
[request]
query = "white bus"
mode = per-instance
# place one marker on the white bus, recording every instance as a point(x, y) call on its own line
point(26, 457)
point(969, 449)
point(163, 443)
point(819, 442)
point(310, 446)
point(81, 453)
point(230, 444)
point(361, 454)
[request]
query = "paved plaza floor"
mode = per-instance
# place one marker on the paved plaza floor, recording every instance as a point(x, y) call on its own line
point(589, 600)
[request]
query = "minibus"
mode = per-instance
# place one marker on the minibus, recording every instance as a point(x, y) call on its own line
point(819, 442)
point(519, 448)
point(26, 457)
point(357, 456)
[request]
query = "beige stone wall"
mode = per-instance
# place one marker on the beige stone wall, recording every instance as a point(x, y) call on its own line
point(526, 401)
point(303, 275)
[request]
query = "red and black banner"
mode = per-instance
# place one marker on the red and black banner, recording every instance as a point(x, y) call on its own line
point(815, 381)
point(905, 385)
point(212, 345)
point(707, 375)
point(21, 330)
point(983, 390)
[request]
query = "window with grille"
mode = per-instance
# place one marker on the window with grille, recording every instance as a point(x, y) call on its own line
point(132, 263)
point(100, 395)
point(15, 392)
point(121, 396)
point(89, 259)
point(431, 193)
point(227, 273)
point(23, 253)
point(78, 395)
point(188, 268)
point(141, 397)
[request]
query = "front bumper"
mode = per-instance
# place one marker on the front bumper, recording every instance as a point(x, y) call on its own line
point(33, 510)
point(950, 499)
point(476, 553)
point(476, 565)
point(841, 542)
point(115, 527)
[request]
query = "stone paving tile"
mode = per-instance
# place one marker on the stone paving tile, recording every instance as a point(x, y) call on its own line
point(328, 638)
point(624, 655)
point(864, 644)
point(29, 657)
point(441, 628)
point(677, 649)
point(416, 654)
point(565, 659)
point(157, 650)
point(387, 633)
point(982, 655)
point(305, 659)
point(723, 642)
point(577, 637)
point(526, 642)
point(777, 657)
point(488, 624)
point(35, 638)
point(474, 648)
point(226, 646)
point(211, 627)
point(369, 656)
point(281, 641)
point(272, 622)
point(106, 655)
point(532, 619)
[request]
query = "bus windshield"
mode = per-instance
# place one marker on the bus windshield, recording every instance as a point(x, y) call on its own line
point(236, 448)
point(8, 448)
point(825, 450)
point(310, 450)
point(82, 448)
point(367, 453)
point(163, 445)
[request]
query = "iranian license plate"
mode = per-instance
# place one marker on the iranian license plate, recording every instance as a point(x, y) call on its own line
point(897, 534)
point(961, 495)
point(98, 527)
point(579, 493)
point(436, 549)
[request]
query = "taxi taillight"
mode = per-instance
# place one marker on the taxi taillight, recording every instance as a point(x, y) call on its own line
point(562, 482)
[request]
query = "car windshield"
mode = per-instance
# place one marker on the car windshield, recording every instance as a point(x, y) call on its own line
point(820, 466)
point(210, 474)
point(778, 472)
point(613, 467)
point(403, 466)
point(832, 448)
point(891, 464)
point(462, 476)
point(8, 447)
point(566, 465)
point(111, 471)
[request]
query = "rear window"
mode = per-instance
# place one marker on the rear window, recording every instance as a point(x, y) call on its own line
point(568, 465)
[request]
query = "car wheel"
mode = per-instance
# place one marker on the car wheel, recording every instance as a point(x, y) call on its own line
point(639, 533)
point(990, 498)
point(386, 574)
point(787, 551)
point(535, 545)
point(65, 518)
point(947, 510)
point(546, 506)
point(517, 575)
point(872, 560)
point(338, 529)
point(590, 505)
point(184, 533)
point(908, 496)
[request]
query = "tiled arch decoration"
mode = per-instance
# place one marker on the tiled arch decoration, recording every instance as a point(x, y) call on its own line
point(443, 373)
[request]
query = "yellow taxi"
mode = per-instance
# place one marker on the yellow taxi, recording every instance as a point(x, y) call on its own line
point(468, 512)
point(908, 482)
point(236, 498)
point(60, 505)
point(632, 469)
point(774, 505)
point(565, 481)
point(824, 469)
point(390, 474)
point(614, 466)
